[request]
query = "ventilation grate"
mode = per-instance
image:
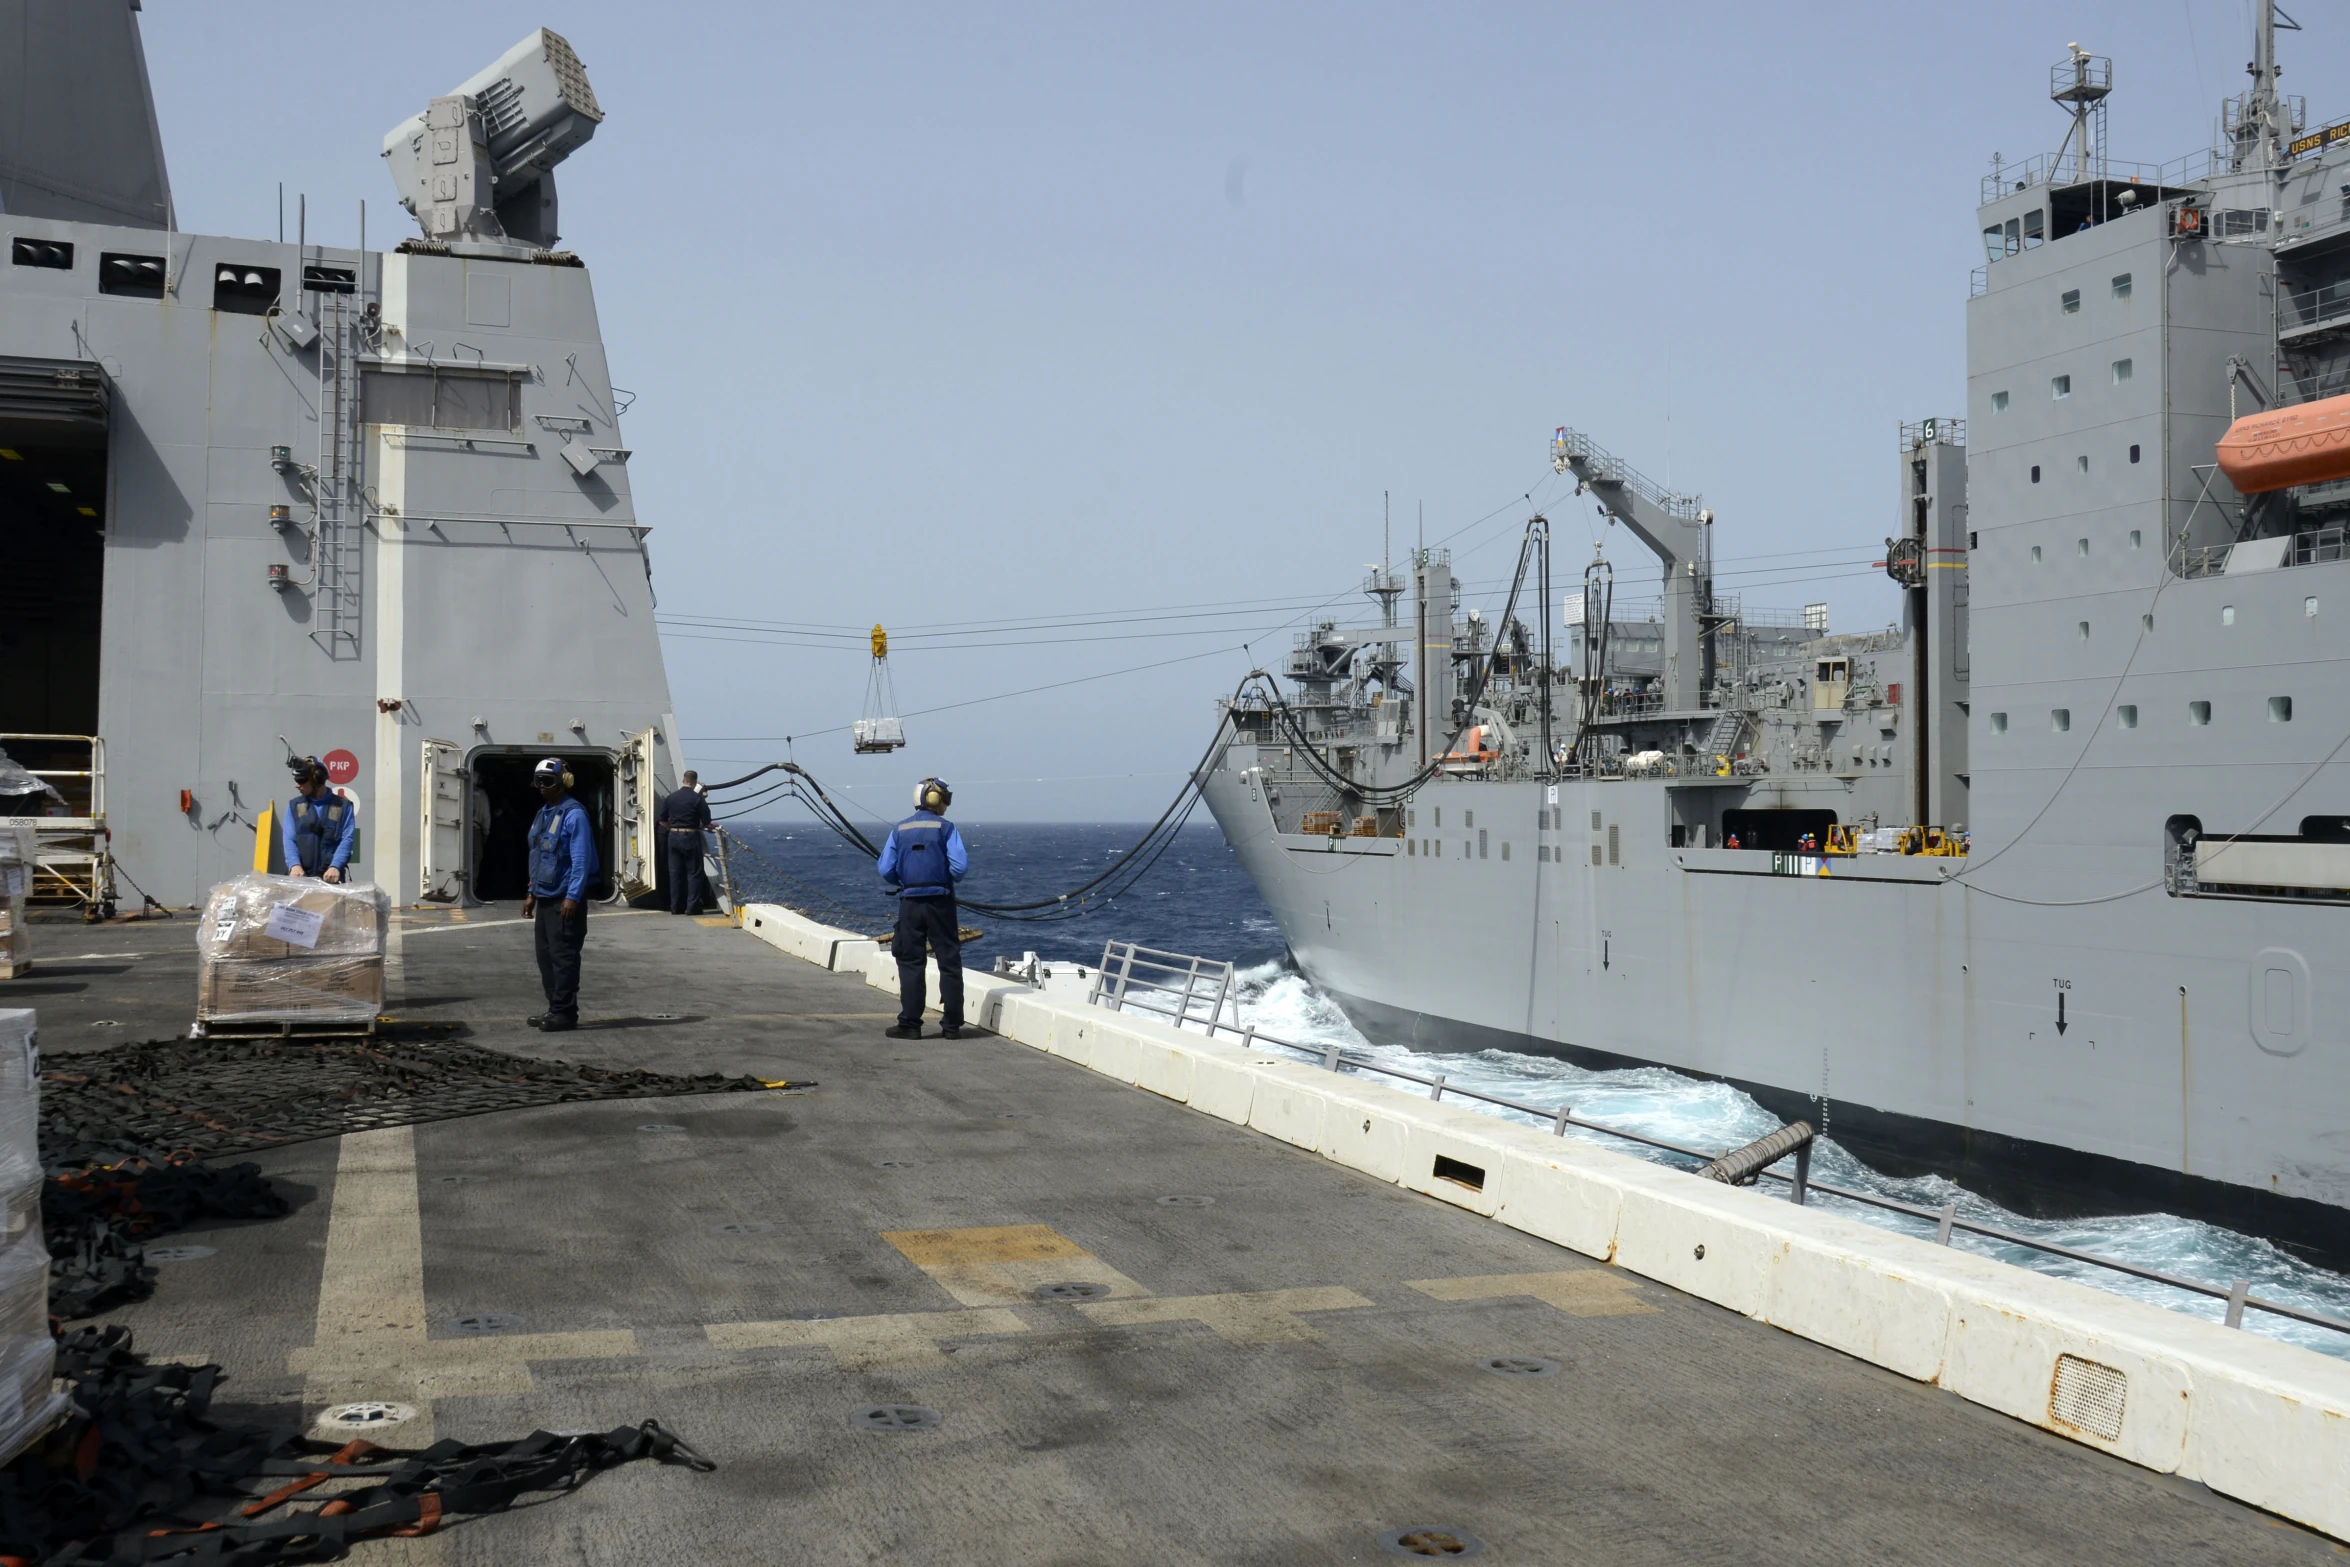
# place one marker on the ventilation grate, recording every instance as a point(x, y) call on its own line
point(2088, 1397)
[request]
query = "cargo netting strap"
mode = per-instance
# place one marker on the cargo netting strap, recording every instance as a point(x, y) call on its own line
point(101, 1203)
point(141, 1472)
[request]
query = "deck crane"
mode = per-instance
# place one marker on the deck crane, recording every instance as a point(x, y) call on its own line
point(880, 729)
point(1680, 530)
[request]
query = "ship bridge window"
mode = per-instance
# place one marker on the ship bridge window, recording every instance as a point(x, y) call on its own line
point(244, 290)
point(440, 399)
point(2071, 302)
point(138, 277)
point(56, 253)
point(2035, 228)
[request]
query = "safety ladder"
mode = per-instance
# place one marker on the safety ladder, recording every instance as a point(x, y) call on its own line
point(340, 541)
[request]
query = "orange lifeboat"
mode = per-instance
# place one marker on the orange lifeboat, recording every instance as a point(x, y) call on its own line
point(2308, 443)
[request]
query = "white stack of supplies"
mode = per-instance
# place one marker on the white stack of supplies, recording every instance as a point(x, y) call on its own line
point(291, 949)
point(19, 844)
point(28, 1405)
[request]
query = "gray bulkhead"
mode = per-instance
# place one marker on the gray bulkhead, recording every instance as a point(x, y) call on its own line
point(492, 597)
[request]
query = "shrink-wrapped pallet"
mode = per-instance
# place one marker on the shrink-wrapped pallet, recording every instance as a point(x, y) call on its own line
point(19, 846)
point(27, 1403)
point(291, 949)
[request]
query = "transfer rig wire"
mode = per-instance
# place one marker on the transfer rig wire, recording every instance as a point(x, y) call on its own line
point(1129, 868)
point(1122, 875)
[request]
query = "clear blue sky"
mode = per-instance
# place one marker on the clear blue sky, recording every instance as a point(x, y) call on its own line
point(1025, 314)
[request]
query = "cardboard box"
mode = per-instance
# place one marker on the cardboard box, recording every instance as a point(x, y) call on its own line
point(289, 990)
point(259, 916)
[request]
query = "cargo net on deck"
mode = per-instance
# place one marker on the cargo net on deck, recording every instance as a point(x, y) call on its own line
point(213, 1097)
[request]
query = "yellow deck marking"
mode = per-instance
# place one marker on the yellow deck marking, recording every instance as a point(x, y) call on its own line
point(1266, 1317)
point(1582, 1292)
point(715, 921)
point(870, 1343)
point(371, 1340)
point(1006, 1264)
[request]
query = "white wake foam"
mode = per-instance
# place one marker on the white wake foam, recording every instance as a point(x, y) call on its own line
point(1662, 1103)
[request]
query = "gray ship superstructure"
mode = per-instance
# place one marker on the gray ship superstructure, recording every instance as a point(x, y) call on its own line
point(2046, 886)
point(376, 503)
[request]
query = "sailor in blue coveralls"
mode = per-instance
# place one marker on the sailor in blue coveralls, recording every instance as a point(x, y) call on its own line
point(921, 863)
point(319, 827)
point(562, 858)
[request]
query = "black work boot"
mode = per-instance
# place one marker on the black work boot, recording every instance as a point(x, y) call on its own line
point(901, 1031)
point(537, 1020)
point(558, 1025)
point(951, 1031)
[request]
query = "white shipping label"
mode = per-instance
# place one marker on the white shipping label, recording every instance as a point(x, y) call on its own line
point(225, 928)
point(295, 927)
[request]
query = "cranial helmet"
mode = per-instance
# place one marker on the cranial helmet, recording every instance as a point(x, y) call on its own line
point(932, 794)
point(305, 768)
point(550, 770)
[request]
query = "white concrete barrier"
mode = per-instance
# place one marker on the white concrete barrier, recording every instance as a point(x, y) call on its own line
point(2261, 1421)
point(803, 938)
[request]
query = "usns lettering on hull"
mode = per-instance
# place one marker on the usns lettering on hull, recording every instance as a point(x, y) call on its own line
point(2047, 886)
point(376, 503)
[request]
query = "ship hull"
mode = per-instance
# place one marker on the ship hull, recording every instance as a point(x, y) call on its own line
point(1911, 1017)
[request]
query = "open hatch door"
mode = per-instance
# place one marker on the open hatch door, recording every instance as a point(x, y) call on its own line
point(636, 856)
point(441, 846)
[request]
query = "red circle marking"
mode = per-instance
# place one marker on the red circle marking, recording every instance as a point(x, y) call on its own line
point(341, 766)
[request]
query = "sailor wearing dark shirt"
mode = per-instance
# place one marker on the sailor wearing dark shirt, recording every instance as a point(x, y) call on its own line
point(562, 858)
point(922, 861)
point(685, 817)
point(319, 827)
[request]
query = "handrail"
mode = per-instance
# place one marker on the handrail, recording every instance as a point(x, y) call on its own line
point(1334, 1058)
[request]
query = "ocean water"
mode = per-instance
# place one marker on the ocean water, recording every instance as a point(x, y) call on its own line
point(1197, 901)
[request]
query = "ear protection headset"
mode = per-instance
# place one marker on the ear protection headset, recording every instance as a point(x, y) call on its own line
point(932, 794)
point(305, 768)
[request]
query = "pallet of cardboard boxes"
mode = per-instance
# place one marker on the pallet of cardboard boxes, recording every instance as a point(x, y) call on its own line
point(287, 955)
point(29, 1404)
point(19, 846)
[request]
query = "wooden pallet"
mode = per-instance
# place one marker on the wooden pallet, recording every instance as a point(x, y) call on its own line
point(284, 1030)
point(16, 970)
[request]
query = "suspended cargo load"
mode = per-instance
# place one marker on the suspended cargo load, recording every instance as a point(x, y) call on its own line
point(880, 729)
point(2308, 443)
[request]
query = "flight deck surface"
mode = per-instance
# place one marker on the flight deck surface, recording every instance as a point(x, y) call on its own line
point(1284, 1372)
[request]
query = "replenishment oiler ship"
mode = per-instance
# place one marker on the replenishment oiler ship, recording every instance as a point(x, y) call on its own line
point(2045, 887)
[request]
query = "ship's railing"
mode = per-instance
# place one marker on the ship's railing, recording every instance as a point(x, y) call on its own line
point(1174, 985)
point(1122, 996)
point(2047, 169)
point(1607, 468)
